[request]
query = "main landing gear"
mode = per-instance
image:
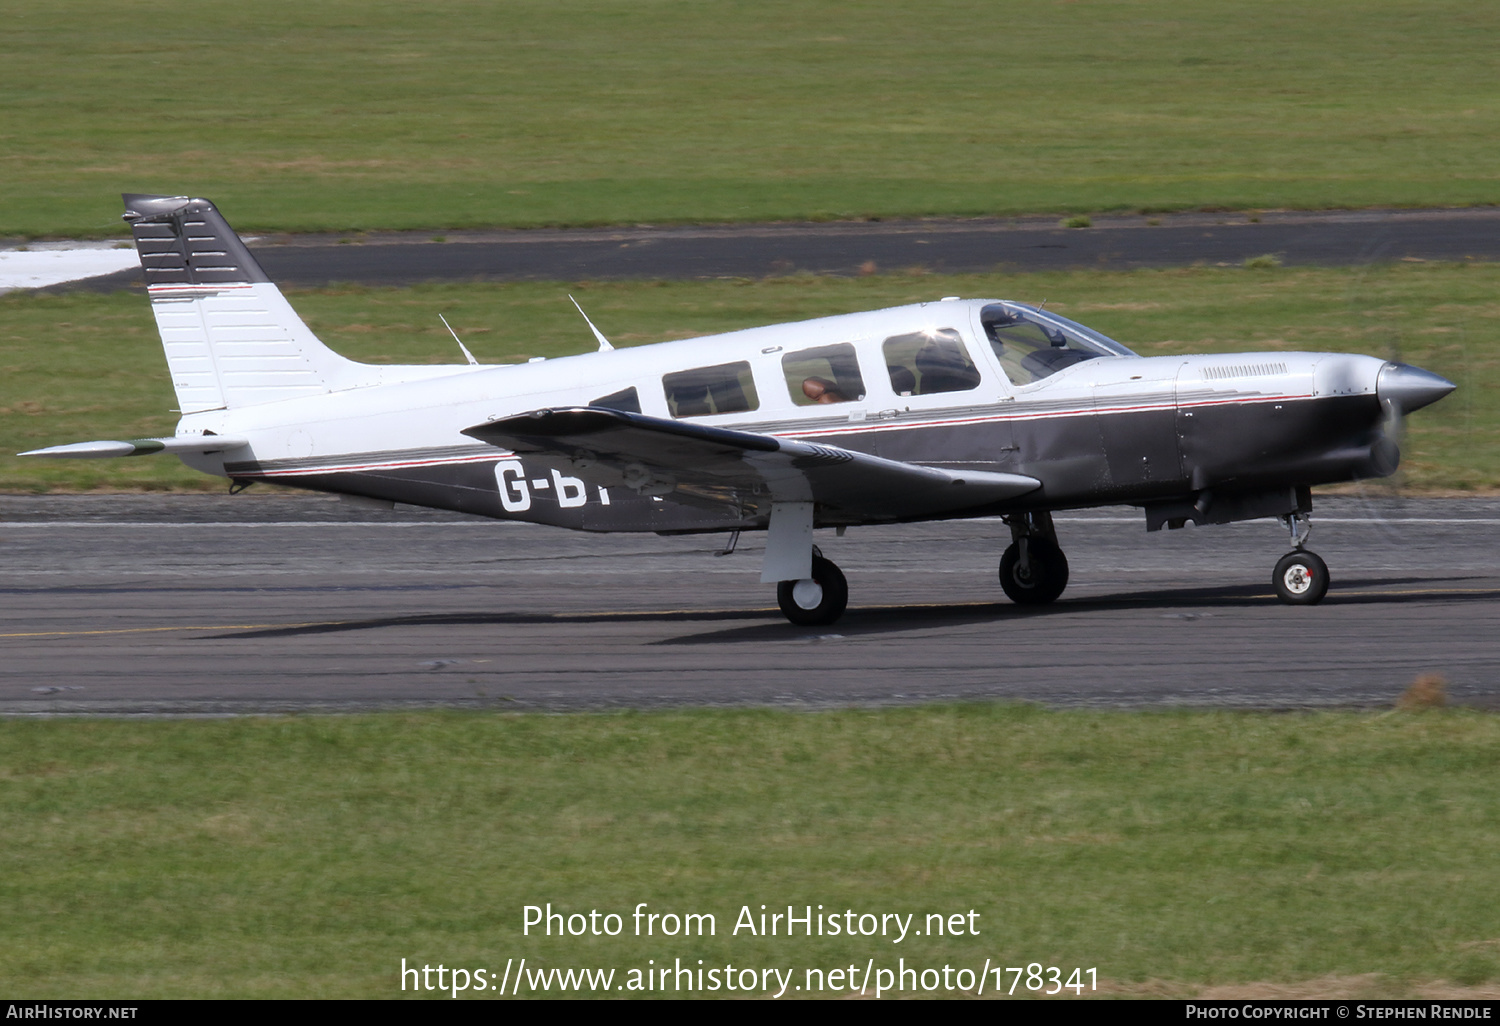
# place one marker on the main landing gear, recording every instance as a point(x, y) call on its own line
point(810, 601)
point(1033, 570)
point(1300, 577)
point(815, 601)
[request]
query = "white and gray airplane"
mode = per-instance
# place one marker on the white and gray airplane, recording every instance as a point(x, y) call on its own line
point(952, 408)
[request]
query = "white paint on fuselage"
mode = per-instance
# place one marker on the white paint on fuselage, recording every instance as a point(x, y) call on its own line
point(433, 412)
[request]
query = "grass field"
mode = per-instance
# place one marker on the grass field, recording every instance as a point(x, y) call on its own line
point(82, 366)
point(451, 113)
point(292, 857)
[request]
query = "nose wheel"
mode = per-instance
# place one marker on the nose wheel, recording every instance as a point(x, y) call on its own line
point(815, 601)
point(1300, 578)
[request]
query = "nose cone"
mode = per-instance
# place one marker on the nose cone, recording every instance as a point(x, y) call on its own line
point(1410, 388)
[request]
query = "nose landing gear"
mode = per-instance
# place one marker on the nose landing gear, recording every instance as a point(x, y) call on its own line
point(1301, 576)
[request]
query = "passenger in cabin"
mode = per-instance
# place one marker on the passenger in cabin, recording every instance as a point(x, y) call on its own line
point(821, 390)
point(903, 381)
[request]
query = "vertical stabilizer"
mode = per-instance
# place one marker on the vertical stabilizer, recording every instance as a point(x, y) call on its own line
point(230, 336)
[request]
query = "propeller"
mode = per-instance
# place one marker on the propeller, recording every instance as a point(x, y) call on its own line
point(1400, 389)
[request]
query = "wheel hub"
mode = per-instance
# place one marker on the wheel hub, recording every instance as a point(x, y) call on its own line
point(807, 594)
point(1298, 579)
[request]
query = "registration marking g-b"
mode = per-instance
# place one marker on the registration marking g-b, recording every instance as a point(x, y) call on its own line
point(515, 490)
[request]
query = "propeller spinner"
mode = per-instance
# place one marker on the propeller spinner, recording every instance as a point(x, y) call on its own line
point(1402, 388)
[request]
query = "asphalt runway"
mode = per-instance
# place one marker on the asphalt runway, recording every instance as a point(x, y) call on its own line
point(849, 248)
point(210, 605)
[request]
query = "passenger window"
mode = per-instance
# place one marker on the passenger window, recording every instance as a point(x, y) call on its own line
point(703, 391)
point(928, 362)
point(828, 374)
point(626, 401)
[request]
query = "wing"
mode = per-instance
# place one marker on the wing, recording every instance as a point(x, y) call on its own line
point(712, 466)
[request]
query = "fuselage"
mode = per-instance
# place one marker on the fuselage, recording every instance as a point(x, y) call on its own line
point(1004, 388)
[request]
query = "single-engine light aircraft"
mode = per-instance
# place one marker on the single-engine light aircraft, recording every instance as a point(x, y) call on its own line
point(952, 408)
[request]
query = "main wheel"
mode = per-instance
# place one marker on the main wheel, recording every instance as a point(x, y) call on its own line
point(1038, 581)
point(818, 600)
point(1300, 578)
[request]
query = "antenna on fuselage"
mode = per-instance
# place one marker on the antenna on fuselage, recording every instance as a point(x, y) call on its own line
point(467, 355)
point(604, 346)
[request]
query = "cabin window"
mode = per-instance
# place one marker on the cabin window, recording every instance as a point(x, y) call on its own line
point(827, 374)
point(704, 391)
point(626, 401)
point(928, 362)
point(1031, 345)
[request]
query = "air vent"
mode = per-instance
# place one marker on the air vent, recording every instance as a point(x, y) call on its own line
point(820, 456)
point(1243, 370)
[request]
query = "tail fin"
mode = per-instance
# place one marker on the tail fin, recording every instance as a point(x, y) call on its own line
point(230, 336)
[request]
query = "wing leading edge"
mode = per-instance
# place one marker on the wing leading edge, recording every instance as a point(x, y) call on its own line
point(712, 466)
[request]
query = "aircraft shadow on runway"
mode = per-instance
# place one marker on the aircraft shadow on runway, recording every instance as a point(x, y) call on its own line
point(896, 618)
point(491, 619)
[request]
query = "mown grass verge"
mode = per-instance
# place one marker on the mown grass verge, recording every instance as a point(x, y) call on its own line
point(286, 857)
point(81, 366)
point(453, 113)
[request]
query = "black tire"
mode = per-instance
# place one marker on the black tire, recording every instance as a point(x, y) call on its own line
point(1300, 578)
point(1043, 582)
point(831, 598)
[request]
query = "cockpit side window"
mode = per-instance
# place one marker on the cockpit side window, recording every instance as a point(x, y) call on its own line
point(827, 374)
point(1031, 348)
point(927, 362)
point(704, 391)
point(626, 400)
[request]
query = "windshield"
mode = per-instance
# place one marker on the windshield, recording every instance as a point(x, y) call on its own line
point(1032, 345)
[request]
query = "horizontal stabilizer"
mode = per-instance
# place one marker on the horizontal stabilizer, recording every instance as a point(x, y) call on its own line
point(137, 447)
point(712, 466)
